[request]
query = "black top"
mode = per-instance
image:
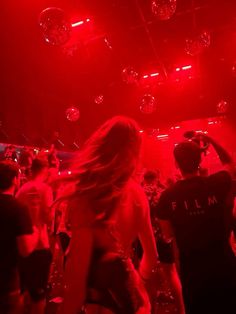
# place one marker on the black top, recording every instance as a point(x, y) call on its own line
point(14, 221)
point(200, 212)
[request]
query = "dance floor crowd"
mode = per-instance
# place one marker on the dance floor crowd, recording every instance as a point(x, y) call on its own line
point(98, 238)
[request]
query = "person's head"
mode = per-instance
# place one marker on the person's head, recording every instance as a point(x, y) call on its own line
point(108, 159)
point(188, 157)
point(170, 182)
point(39, 167)
point(9, 175)
point(150, 176)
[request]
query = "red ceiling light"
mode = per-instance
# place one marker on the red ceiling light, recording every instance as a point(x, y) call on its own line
point(154, 74)
point(184, 68)
point(178, 73)
point(150, 75)
point(162, 136)
point(76, 24)
point(187, 67)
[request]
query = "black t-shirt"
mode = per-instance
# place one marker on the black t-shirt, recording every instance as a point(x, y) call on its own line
point(14, 221)
point(200, 212)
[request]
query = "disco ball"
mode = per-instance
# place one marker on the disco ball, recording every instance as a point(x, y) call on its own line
point(72, 114)
point(148, 104)
point(196, 45)
point(222, 107)
point(99, 99)
point(163, 9)
point(55, 26)
point(205, 39)
point(129, 75)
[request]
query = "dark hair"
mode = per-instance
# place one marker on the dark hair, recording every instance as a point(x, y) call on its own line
point(150, 175)
point(38, 164)
point(188, 156)
point(8, 171)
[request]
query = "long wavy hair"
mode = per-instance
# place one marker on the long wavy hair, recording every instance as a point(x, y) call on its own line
point(107, 162)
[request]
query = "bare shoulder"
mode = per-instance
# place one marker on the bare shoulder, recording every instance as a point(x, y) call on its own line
point(137, 193)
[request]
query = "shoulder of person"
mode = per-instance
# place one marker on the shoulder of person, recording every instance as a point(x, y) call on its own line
point(221, 179)
point(221, 182)
point(23, 188)
point(136, 190)
point(221, 175)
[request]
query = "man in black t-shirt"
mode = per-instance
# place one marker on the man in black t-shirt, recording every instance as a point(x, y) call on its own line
point(197, 213)
point(17, 237)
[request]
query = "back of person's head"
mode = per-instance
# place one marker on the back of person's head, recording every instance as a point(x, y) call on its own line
point(150, 176)
point(188, 156)
point(39, 165)
point(108, 159)
point(8, 172)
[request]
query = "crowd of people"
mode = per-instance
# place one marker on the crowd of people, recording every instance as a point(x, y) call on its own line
point(98, 212)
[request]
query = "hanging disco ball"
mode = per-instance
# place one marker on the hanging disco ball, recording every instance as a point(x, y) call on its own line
point(205, 39)
point(196, 45)
point(222, 107)
point(148, 104)
point(55, 26)
point(192, 47)
point(129, 75)
point(163, 9)
point(99, 99)
point(72, 114)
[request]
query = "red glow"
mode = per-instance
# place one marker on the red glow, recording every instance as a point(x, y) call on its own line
point(141, 131)
point(80, 23)
point(145, 76)
point(177, 69)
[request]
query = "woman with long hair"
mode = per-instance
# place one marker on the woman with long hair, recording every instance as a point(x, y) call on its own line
point(108, 211)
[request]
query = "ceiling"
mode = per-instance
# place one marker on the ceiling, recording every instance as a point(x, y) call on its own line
point(39, 82)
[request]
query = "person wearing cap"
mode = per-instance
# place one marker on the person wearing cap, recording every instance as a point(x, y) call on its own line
point(196, 213)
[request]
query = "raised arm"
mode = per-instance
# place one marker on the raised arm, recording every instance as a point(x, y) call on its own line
point(224, 156)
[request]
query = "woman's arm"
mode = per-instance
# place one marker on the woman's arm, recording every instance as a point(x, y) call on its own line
point(146, 237)
point(77, 268)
